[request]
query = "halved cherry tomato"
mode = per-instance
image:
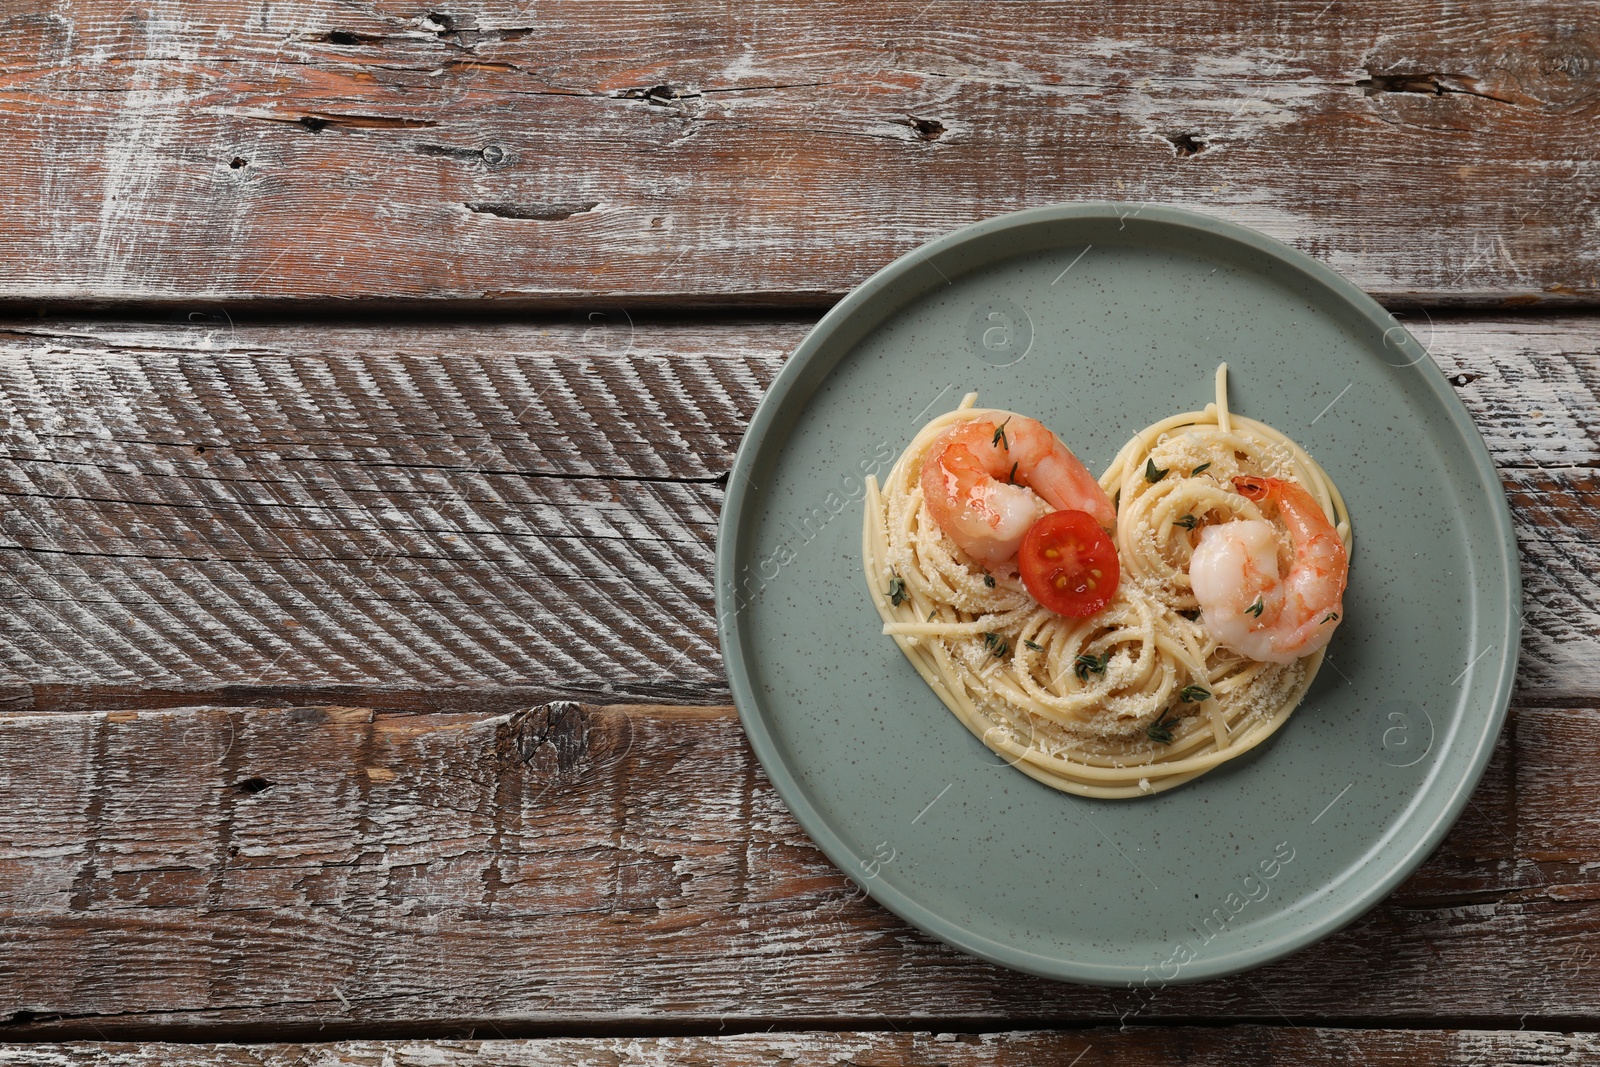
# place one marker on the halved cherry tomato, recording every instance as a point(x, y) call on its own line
point(1069, 563)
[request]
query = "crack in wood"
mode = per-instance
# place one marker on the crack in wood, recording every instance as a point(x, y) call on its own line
point(660, 95)
point(1429, 83)
point(551, 212)
point(316, 123)
point(453, 151)
point(345, 37)
point(925, 129)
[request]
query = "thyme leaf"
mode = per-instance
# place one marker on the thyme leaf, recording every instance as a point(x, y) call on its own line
point(1086, 665)
point(1160, 731)
point(1036, 648)
point(1200, 468)
point(1012, 477)
point(1153, 473)
point(1257, 608)
point(1000, 436)
point(988, 580)
point(897, 590)
point(998, 646)
point(1188, 522)
point(1194, 694)
point(1332, 616)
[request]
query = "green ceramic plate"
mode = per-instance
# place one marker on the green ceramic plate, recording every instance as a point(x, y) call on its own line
point(1099, 319)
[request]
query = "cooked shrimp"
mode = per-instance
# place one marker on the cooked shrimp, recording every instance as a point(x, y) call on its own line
point(1234, 571)
point(983, 482)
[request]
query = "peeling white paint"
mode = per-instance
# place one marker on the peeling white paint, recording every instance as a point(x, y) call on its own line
point(141, 141)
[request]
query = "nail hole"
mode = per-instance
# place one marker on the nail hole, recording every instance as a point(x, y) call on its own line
point(252, 786)
point(239, 161)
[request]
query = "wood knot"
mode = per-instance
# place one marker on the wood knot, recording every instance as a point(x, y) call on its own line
point(558, 730)
point(1566, 71)
point(563, 742)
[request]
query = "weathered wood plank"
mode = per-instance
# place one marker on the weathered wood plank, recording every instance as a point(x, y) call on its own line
point(542, 510)
point(515, 507)
point(1299, 1046)
point(285, 869)
point(172, 149)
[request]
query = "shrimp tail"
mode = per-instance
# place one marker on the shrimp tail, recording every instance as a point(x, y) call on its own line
point(1257, 489)
point(1304, 517)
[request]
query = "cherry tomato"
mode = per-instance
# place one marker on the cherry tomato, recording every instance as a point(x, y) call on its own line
point(1069, 563)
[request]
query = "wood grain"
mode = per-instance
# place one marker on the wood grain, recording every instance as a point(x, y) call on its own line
point(522, 512)
point(169, 150)
point(1139, 1047)
point(330, 871)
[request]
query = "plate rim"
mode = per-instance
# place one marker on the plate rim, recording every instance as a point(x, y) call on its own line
point(905, 905)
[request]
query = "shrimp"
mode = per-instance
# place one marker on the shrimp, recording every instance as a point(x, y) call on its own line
point(1234, 572)
point(983, 482)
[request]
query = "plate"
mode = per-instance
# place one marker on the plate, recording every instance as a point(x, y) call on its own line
point(1099, 319)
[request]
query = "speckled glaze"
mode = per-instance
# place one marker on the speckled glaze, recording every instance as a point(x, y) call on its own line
point(1099, 319)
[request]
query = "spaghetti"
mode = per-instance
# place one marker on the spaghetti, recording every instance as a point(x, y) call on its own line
point(1139, 697)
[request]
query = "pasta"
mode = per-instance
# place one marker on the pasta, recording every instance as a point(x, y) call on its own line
point(1132, 700)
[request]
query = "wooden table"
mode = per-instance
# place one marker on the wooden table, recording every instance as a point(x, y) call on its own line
point(369, 377)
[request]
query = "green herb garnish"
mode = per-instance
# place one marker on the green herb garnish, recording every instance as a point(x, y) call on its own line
point(897, 590)
point(1084, 666)
point(1332, 616)
point(1036, 648)
point(1153, 473)
point(998, 646)
point(1200, 468)
point(1188, 522)
point(1160, 731)
point(988, 580)
point(1012, 477)
point(1194, 694)
point(1257, 608)
point(1000, 436)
